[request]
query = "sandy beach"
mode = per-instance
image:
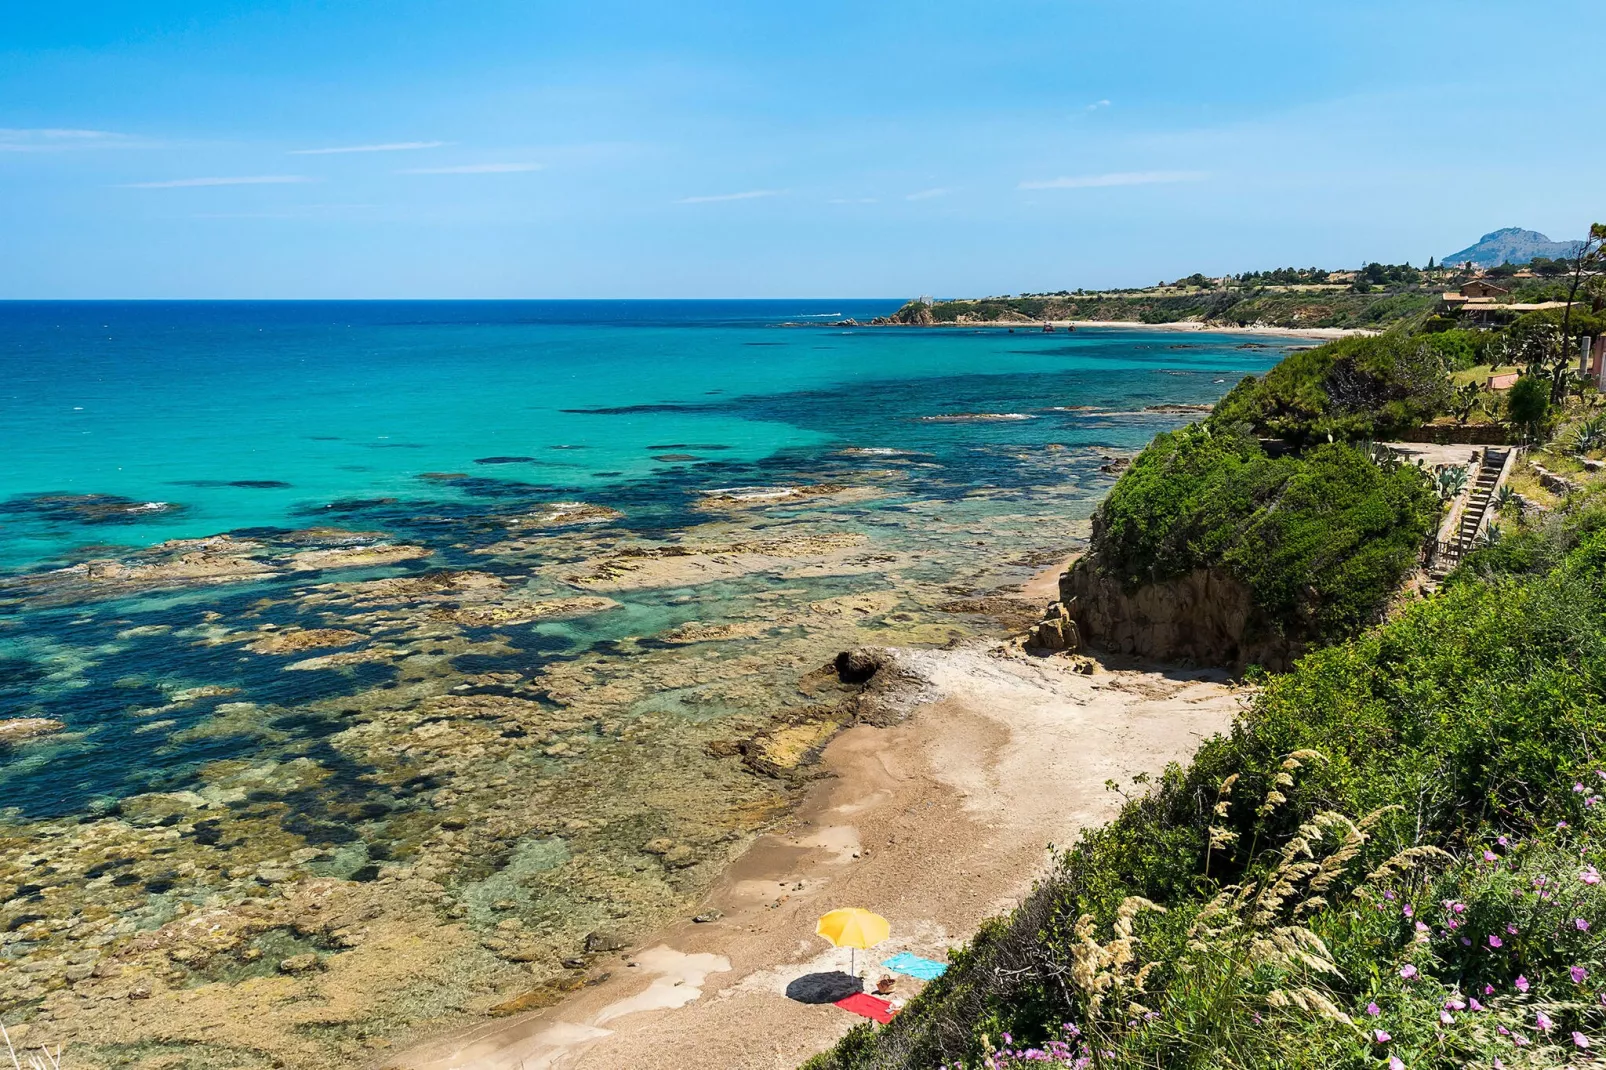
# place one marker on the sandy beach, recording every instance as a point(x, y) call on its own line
point(937, 822)
point(1186, 326)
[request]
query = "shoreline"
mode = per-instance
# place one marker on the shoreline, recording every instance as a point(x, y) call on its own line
point(997, 756)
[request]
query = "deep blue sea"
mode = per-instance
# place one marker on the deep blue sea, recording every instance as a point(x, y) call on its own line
point(236, 415)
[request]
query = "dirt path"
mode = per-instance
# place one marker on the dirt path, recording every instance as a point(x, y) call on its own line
point(936, 823)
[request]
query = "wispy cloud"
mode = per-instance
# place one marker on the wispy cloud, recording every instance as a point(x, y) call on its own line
point(1096, 105)
point(50, 139)
point(745, 195)
point(928, 194)
point(296, 211)
point(242, 180)
point(851, 200)
point(1117, 178)
point(391, 146)
point(474, 169)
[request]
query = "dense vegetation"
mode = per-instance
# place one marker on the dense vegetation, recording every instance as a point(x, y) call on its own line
point(1355, 388)
point(1393, 859)
point(1321, 540)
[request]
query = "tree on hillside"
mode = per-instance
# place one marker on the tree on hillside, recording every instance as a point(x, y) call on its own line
point(1527, 404)
point(1585, 275)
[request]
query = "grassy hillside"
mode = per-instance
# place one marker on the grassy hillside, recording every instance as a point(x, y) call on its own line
point(1394, 856)
point(1315, 306)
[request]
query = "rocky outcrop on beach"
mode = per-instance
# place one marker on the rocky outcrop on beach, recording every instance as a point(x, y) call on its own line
point(1203, 618)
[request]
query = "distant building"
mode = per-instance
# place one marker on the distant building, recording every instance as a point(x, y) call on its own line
point(1480, 288)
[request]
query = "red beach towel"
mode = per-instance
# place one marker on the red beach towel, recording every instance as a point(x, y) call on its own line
point(867, 1006)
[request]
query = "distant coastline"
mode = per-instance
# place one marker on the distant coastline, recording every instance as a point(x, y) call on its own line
point(1185, 326)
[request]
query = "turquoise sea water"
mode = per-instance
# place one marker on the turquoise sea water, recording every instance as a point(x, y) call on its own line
point(126, 424)
point(240, 415)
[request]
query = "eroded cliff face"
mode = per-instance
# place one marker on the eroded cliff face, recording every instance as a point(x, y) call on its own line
point(1203, 618)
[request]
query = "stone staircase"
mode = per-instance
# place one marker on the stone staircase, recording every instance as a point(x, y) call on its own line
point(1484, 484)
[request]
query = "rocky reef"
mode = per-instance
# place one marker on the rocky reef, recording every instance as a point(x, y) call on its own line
point(335, 786)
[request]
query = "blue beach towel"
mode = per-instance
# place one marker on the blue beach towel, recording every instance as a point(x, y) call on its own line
point(915, 966)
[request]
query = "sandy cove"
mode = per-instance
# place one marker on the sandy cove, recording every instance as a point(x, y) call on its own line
point(937, 822)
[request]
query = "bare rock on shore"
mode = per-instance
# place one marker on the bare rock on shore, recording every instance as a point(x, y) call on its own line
point(17, 729)
point(857, 666)
point(1056, 632)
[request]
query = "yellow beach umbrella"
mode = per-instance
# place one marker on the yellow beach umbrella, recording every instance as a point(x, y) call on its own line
point(853, 927)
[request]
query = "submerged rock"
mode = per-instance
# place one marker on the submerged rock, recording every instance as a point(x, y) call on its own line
point(16, 729)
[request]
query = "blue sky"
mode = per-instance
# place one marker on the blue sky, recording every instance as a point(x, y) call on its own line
point(520, 148)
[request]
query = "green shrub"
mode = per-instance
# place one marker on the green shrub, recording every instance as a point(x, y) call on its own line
point(1321, 540)
point(1351, 389)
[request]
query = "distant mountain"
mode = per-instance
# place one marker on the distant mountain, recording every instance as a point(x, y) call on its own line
point(1513, 245)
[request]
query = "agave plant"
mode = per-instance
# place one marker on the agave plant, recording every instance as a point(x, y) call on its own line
point(1490, 536)
point(1451, 481)
point(1503, 497)
point(1589, 435)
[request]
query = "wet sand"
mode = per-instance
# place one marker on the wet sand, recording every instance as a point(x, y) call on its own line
point(937, 822)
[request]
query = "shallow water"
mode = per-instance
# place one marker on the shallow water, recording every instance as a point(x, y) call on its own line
point(411, 684)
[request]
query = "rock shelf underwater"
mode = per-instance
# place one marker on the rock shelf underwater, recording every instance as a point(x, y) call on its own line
point(405, 753)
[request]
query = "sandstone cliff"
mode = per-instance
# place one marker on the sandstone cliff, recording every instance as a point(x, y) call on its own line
point(1204, 618)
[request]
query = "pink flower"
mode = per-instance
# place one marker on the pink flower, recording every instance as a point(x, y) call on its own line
point(1512, 929)
point(1408, 910)
point(1494, 941)
point(1581, 925)
point(1502, 841)
point(1474, 1004)
point(1488, 855)
point(1395, 1064)
point(1459, 908)
point(1522, 983)
point(1488, 990)
point(1381, 1037)
point(1421, 927)
point(1389, 895)
point(1578, 974)
point(1591, 875)
point(1578, 789)
point(1455, 1004)
point(1601, 773)
point(1446, 1017)
point(1579, 1040)
point(1519, 1040)
point(1543, 1022)
point(1373, 1009)
point(1498, 1065)
point(1560, 825)
point(1408, 972)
